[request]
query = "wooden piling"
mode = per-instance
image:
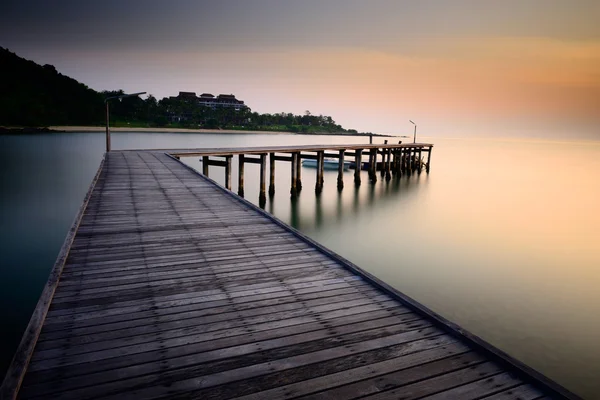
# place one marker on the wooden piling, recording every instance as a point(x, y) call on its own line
point(228, 172)
point(428, 160)
point(340, 178)
point(320, 167)
point(294, 168)
point(271, 174)
point(400, 162)
point(373, 165)
point(420, 163)
point(299, 172)
point(370, 166)
point(205, 165)
point(241, 175)
point(388, 175)
point(409, 161)
point(357, 166)
point(383, 156)
point(262, 198)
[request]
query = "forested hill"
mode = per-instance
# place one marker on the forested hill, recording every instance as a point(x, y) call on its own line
point(35, 95)
point(32, 95)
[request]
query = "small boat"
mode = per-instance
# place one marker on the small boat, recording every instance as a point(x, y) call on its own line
point(364, 166)
point(328, 164)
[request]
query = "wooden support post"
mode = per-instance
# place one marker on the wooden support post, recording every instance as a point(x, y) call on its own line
point(428, 160)
point(357, 166)
point(383, 155)
point(409, 161)
point(317, 176)
point(414, 158)
point(241, 175)
point(370, 166)
point(401, 161)
point(271, 174)
point(320, 167)
point(299, 172)
point(373, 165)
point(205, 165)
point(228, 172)
point(340, 179)
point(388, 176)
point(294, 167)
point(262, 198)
point(420, 161)
point(398, 166)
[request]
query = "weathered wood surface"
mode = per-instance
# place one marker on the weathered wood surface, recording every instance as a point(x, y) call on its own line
point(296, 148)
point(173, 288)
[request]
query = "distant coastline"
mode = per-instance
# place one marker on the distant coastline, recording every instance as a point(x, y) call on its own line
point(59, 129)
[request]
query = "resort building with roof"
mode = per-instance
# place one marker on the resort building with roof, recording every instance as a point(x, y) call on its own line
point(209, 100)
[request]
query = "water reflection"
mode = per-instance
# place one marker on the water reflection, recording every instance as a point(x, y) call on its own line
point(311, 212)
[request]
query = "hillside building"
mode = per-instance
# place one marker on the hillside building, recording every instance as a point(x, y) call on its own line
point(209, 100)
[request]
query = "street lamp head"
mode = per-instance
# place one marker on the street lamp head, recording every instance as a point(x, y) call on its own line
point(410, 120)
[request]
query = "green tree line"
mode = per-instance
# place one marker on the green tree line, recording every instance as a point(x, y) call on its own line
point(34, 95)
point(186, 113)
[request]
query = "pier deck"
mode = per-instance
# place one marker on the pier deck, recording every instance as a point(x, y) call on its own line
point(169, 286)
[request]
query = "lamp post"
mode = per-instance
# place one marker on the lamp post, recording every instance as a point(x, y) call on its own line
point(106, 102)
point(415, 134)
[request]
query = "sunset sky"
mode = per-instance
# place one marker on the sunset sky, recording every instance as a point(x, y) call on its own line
point(454, 66)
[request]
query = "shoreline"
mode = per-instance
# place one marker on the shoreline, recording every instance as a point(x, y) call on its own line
point(98, 129)
point(153, 130)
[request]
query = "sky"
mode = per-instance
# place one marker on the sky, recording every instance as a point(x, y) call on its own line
point(453, 66)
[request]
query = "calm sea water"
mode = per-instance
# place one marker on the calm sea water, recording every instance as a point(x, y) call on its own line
point(502, 237)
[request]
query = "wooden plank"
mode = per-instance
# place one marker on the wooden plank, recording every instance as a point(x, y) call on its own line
point(229, 369)
point(205, 277)
point(123, 313)
point(285, 149)
point(479, 389)
point(342, 383)
point(231, 328)
point(441, 383)
point(187, 296)
point(133, 327)
point(220, 311)
point(99, 350)
point(115, 366)
point(397, 375)
point(198, 269)
point(522, 392)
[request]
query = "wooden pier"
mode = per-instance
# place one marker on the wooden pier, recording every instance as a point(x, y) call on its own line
point(396, 160)
point(169, 286)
